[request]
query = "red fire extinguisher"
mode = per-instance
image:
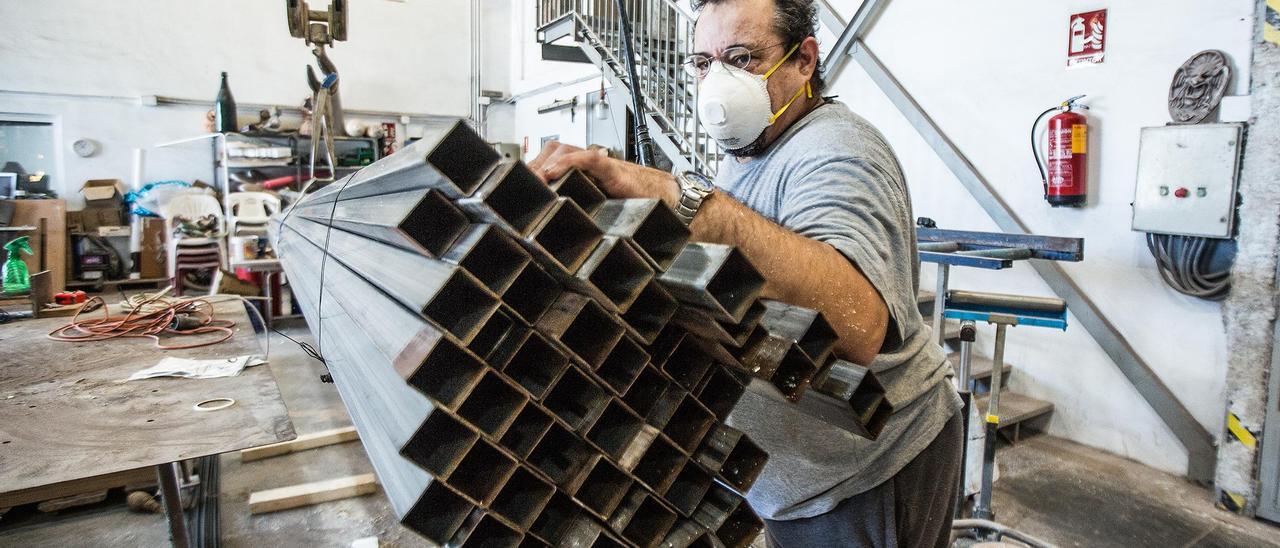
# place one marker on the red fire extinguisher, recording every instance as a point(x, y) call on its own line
point(1064, 170)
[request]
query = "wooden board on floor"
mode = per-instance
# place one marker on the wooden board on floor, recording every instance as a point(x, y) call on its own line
point(294, 496)
point(301, 443)
point(69, 413)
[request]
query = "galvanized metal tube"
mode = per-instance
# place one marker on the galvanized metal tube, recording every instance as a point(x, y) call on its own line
point(532, 293)
point(563, 239)
point(651, 225)
point(623, 364)
point(688, 364)
point(603, 488)
point(689, 424)
point(721, 390)
point(617, 270)
point(650, 312)
point(741, 528)
point(423, 221)
point(536, 365)
point(482, 472)
point(688, 488)
point(488, 254)
point(659, 465)
point(522, 498)
point(560, 455)
point(582, 326)
point(512, 197)
point(449, 157)
point(576, 186)
point(716, 277)
point(647, 389)
point(576, 399)
point(493, 404)
point(807, 327)
point(617, 427)
point(529, 427)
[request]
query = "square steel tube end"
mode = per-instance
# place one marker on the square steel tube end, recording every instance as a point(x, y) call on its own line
point(532, 293)
point(645, 392)
point(659, 465)
point(615, 430)
point(567, 235)
point(489, 255)
point(511, 197)
point(463, 157)
point(688, 489)
point(423, 221)
point(794, 373)
point(649, 523)
point(650, 312)
point(743, 465)
point(493, 404)
point(576, 186)
point(438, 513)
point(618, 270)
point(576, 399)
point(482, 472)
point(716, 506)
point(716, 446)
point(720, 391)
point(807, 327)
point(561, 455)
point(859, 386)
point(655, 229)
point(620, 368)
point(689, 424)
point(558, 519)
point(716, 277)
point(536, 365)
point(491, 335)
point(439, 443)
point(741, 528)
point(489, 532)
point(582, 326)
point(603, 488)
point(688, 364)
point(527, 430)
point(522, 498)
point(448, 373)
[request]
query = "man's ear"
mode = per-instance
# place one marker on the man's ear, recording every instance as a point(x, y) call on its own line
point(807, 55)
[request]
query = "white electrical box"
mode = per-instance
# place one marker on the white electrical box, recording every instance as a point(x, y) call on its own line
point(1187, 179)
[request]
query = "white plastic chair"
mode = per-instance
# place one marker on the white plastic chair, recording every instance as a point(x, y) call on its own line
point(193, 252)
point(250, 212)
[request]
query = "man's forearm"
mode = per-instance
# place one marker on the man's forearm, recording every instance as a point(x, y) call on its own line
point(801, 271)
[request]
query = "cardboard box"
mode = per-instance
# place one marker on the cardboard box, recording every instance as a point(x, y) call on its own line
point(102, 193)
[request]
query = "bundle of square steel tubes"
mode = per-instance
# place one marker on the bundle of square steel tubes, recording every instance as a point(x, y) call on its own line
point(534, 364)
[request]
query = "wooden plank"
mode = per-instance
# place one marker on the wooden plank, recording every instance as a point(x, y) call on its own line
point(301, 443)
point(67, 488)
point(62, 503)
point(67, 405)
point(306, 494)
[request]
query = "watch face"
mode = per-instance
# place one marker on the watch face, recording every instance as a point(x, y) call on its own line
point(698, 180)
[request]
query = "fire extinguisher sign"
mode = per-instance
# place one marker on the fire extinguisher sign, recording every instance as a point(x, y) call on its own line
point(1087, 38)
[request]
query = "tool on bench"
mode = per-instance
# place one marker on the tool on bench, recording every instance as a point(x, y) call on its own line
point(1002, 311)
point(70, 297)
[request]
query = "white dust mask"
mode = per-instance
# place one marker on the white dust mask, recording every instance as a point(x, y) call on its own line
point(734, 106)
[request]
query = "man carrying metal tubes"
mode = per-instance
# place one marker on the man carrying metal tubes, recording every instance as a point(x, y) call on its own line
point(815, 198)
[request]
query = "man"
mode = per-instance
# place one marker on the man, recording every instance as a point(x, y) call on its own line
point(814, 197)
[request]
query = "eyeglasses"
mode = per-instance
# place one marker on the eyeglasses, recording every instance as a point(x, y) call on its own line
point(697, 65)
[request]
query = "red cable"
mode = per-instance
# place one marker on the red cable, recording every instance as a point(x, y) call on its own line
point(151, 325)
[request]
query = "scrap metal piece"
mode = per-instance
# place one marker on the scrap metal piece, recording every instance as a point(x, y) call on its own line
point(715, 277)
point(655, 229)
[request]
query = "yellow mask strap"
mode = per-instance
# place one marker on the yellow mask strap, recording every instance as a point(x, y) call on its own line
point(781, 61)
point(807, 90)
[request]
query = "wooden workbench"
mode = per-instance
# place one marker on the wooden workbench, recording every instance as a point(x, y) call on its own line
point(67, 413)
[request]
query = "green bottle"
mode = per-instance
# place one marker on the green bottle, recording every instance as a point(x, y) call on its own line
point(16, 279)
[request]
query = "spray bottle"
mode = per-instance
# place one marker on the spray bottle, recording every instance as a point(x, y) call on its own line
point(16, 279)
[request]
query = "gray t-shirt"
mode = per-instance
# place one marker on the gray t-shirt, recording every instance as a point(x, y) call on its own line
point(832, 177)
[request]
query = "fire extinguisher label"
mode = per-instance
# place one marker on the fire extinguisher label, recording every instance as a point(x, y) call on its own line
point(1060, 144)
point(1079, 138)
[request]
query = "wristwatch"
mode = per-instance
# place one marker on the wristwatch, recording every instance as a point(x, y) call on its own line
point(694, 189)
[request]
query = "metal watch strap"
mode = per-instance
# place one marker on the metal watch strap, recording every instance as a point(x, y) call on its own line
point(694, 189)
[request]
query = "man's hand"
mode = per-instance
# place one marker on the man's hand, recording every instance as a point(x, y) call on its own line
point(618, 179)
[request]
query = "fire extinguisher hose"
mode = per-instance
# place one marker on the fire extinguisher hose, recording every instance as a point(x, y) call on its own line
point(1035, 150)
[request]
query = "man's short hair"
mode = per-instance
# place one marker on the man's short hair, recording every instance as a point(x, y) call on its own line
point(793, 20)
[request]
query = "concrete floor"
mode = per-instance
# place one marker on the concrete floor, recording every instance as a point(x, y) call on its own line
point(1051, 488)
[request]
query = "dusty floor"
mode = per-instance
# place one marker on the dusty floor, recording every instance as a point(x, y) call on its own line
point(1062, 492)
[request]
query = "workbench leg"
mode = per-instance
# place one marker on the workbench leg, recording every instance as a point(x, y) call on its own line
point(171, 495)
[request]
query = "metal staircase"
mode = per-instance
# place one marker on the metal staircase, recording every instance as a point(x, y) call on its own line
point(662, 32)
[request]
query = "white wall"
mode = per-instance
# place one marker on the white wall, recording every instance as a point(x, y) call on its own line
point(400, 56)
point(983, 70)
